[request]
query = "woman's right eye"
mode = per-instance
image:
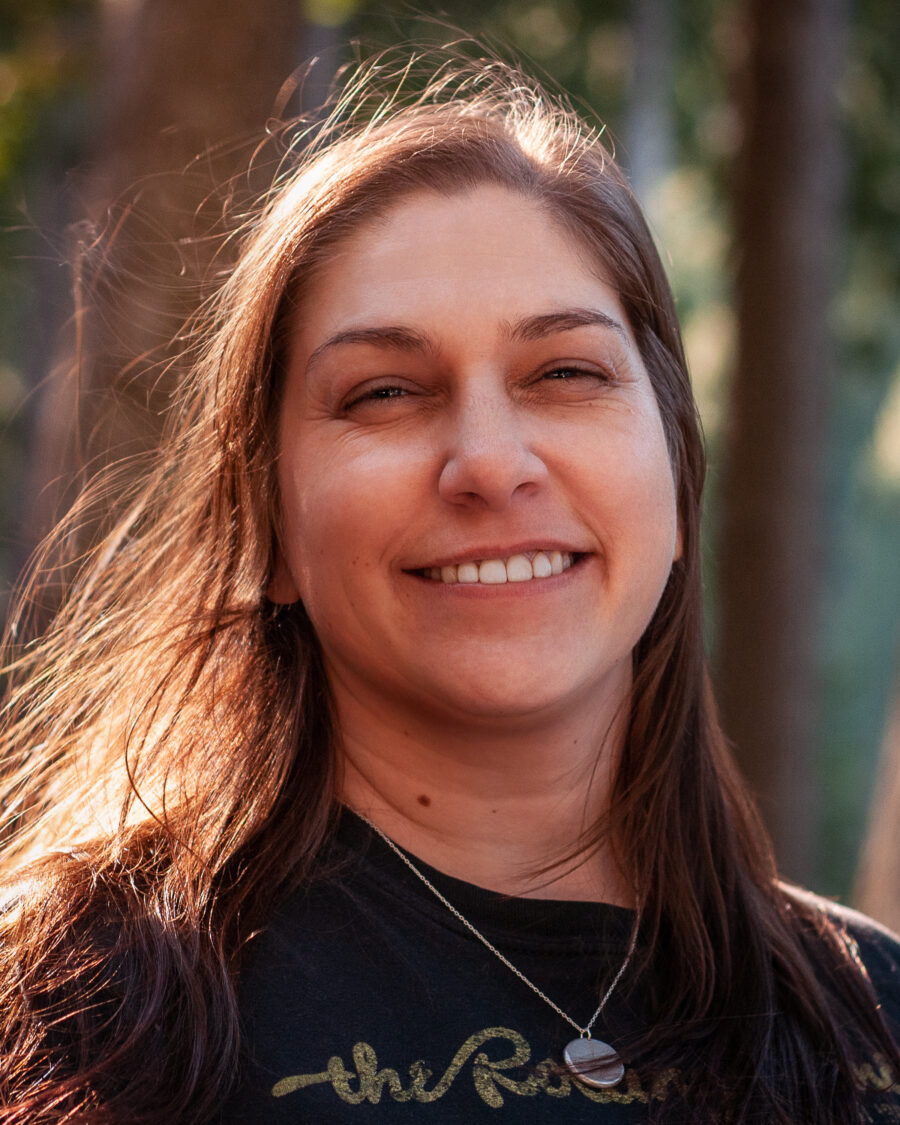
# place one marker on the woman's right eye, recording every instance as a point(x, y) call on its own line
point(373, 395)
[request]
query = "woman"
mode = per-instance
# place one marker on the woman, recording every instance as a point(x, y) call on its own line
point(371, 760)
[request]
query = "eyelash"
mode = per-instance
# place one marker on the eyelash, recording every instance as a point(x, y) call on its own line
point(563, 373)
point(376, 394)
point(577, 372)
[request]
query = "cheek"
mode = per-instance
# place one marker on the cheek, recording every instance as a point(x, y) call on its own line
point(343, 509)
point(656, 512)
point(629, 485)
point(315, 522)
point(653, 477)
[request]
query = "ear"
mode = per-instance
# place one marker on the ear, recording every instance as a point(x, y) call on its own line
point(282, 588)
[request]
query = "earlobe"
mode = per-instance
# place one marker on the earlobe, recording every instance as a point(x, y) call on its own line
point(282, 589)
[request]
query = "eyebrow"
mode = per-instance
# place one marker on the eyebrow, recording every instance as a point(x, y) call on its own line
point(528, 329)
point(387, 336)
point(536, 327)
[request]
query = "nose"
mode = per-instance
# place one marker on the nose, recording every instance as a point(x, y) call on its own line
point(489, 460)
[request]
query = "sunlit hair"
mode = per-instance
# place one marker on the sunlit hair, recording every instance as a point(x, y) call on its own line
point(168, 741)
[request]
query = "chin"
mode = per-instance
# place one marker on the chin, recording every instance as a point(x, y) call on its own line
point(494, 698)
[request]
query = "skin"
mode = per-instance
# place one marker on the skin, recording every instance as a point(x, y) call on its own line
point(480, 724)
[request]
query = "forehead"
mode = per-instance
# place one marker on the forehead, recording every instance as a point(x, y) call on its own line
point(487, 256)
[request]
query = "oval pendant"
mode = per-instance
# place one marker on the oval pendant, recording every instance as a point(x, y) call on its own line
point(594, 1062)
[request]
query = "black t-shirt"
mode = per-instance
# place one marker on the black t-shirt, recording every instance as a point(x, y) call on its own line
point(366, 1000)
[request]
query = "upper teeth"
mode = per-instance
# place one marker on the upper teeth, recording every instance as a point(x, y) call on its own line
point(493, 572)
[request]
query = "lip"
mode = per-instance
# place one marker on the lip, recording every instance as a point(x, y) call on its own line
point(493, 551)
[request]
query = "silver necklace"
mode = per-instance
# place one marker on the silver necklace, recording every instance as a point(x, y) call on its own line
point(590, 1060)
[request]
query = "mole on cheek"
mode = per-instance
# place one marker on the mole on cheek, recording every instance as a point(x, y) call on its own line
point(423, 800)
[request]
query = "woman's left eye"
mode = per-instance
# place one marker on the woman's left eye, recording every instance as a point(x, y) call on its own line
point(565, 373)
point(580, 375)
point(378, 393)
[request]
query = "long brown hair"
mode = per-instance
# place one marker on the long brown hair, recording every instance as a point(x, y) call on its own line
point(168, 746)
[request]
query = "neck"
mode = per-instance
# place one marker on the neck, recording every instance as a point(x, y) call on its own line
point(505, 806)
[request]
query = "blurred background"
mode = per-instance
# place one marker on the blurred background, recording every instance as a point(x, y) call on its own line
point(763, 138)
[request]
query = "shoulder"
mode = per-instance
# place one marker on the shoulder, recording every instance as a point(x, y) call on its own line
point(873, 939)
point(874, 948)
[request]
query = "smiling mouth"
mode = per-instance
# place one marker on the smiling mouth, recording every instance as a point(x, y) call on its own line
point(527, 567)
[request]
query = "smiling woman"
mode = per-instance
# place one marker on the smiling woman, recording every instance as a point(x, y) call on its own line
point(371, 758)
point(464, 396)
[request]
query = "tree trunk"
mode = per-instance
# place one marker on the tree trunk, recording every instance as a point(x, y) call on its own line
point(877, 889)
point(187, 85)
point(786, 217)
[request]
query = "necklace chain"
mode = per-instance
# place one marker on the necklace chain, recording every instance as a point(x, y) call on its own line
point(584, 1032)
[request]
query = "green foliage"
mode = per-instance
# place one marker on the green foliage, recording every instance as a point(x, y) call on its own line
point(41, 58)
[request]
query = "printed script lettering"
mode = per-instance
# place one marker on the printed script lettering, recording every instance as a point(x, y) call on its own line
point(491, 1076)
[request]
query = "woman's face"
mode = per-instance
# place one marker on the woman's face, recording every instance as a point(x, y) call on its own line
point(479, 510)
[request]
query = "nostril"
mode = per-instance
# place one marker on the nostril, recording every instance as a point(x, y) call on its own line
point(491, 477)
